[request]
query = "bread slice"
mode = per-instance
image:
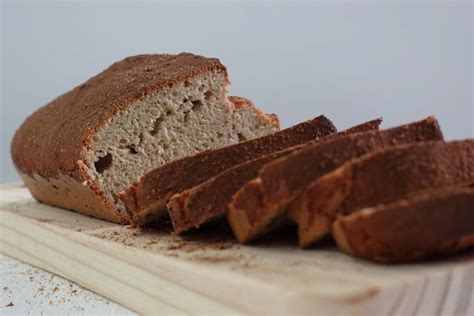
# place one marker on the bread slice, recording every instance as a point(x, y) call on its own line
point(434, 222)
point(85, 146)
point(377, 178)
point(208, 200)
point(260, 205)
point(146, 198)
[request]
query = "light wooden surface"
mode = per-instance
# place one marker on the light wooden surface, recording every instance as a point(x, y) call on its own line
point(152, 271)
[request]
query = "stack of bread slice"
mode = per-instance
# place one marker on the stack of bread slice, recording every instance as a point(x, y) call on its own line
point(156, 137)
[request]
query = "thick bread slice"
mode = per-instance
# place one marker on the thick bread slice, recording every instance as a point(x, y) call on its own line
point(260, 205)
point(380, 177)
point(434, 222)
point(146, 198)
point(209, 200)
point(85, 146)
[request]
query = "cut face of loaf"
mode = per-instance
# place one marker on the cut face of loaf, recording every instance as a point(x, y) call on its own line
point(262, 202)
point(81, 149)
point(209, 200)
point(433, 222)
point(133, 143)
point(377, 178)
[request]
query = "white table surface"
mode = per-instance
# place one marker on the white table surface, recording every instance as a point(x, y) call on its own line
point(26, 290)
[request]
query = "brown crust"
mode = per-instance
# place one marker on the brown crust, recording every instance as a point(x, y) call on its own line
point(435, 222)
point(209, 200)
point(67, 192)
point(149, 194)
point(380, 177)
point(283, 179)
point(49, 144)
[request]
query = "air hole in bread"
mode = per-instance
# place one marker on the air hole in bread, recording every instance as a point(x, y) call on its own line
point(103, 163)
point(132, 150)
point(242, 138)
point(187, 83)
point(156, 125)
point(220, 135)
point(123, 141)
point(54, 186)
point(197, 104)
point(208, 95)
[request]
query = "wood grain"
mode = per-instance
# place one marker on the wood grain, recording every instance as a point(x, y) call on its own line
point(206, 272)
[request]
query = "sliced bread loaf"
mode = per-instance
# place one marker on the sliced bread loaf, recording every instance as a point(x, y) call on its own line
point(145, 111)
point(261, 203)
point(208, 200)
point(377, 178)
point(433, 222)
point(146, 198)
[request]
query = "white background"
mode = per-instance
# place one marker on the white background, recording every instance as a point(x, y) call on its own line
point(351, 61)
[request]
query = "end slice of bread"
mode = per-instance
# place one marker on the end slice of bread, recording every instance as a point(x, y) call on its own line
point(434, 222)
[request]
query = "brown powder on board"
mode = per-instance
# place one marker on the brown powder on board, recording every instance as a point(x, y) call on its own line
point(211, 259)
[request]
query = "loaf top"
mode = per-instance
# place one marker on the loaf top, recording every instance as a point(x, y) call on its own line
point(50, 141)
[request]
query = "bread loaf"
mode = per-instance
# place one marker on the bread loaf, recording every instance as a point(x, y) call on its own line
point(377, 178)
point(260, 205)
point(145, 111)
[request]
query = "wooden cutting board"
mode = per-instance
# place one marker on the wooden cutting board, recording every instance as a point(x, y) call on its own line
point(153, 271)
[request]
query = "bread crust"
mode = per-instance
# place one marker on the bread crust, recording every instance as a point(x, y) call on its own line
point(67, 192)
point(50, 145)
point(433, 222)
point(377, 178)
point(280, 181)
point(146, 198)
